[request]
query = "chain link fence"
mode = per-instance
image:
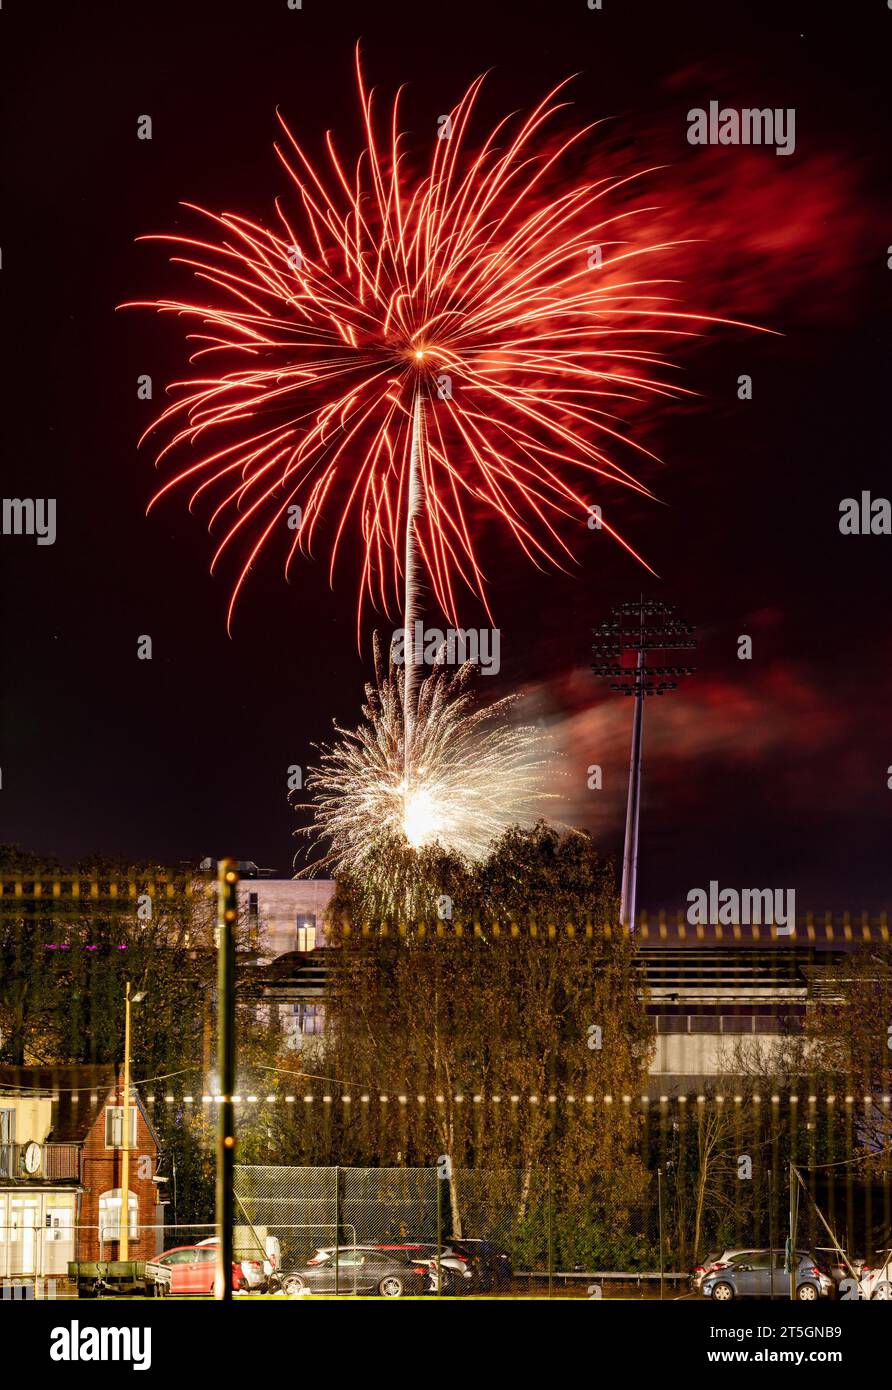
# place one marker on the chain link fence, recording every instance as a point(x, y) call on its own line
point(463, 1232)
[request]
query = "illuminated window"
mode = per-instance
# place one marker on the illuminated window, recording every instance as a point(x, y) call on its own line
point(110, 1215)
point(306, 931)
point(114, 1129)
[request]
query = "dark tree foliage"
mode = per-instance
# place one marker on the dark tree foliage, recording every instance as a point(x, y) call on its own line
point(542, 874)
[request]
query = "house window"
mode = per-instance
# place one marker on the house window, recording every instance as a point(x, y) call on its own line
point(114, 1128)
point(7, 1140)
point(306, 931)
point(110, 1215)
point(308, 1018)
point(253, 906)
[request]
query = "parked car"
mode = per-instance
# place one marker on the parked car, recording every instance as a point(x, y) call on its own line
point(193, 1268)
point(254, 1270)
point(361, 1270)
point(761, 1274)
point(492, 1262)
point(457, 1267)
point(456, 1271)
point(876, 1282)
point(830, 1259)
point(715, 1260)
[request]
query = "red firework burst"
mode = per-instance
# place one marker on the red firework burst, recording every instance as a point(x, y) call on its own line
point(418, 348)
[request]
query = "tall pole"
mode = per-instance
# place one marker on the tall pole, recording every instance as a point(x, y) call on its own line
point(439, 1190)
point(629, 890)
point(660, 1220)
point(550, 1235)
point(771, 1231)
point(643, 626)
point(794, 1195)
point(227, 881)
point(124, 1227)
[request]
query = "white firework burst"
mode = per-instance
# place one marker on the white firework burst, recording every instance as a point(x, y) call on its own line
point(471, 774)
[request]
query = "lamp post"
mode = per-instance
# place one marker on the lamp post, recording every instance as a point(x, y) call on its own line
point(227, 914)
point(124, 1224)
point(660, 1221)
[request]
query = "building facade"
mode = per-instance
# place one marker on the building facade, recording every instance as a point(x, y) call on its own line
point(286, 921)
point(61, 1153)
point(285, 914)
point(724, 999)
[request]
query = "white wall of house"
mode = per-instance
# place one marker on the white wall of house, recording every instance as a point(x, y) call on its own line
point(30, 1120)
point(290, 912)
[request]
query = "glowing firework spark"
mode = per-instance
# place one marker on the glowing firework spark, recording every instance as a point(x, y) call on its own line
point(474, 774)
point(433, 344)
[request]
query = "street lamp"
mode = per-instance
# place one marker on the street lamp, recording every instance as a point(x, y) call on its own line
point(124, 1227)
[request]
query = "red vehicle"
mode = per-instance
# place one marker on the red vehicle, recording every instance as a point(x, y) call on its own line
point(193, 1269)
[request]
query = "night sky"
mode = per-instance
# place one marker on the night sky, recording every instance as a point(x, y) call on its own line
point(768, 772)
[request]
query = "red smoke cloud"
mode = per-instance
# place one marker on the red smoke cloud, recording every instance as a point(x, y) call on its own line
point(776, 733)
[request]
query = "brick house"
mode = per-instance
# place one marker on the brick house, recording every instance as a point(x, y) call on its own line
point(61, 1137)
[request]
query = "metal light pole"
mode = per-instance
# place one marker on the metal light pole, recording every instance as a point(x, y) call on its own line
point(771, 1231)
point(629, 890)
point(639, 627)
point(124, 1224)
point(794, 1215)
point(227, 912)
point(660, 1220)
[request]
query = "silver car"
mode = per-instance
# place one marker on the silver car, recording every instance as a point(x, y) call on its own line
point(761, 1274)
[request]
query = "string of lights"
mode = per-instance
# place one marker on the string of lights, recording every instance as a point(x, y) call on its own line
point(367, 1098)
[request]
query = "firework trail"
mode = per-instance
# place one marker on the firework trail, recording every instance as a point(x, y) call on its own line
point(474, 775)
point(411, 585)
point(435, 339)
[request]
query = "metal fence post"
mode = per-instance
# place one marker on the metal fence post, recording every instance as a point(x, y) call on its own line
point(550, 1221)
point(660, 1220)
point(337, 1217)
point(227, 881)
point(439, 1189)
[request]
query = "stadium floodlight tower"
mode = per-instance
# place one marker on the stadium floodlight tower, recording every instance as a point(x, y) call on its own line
point(645, 625)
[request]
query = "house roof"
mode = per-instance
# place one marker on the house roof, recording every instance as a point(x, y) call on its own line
point(78, 1093)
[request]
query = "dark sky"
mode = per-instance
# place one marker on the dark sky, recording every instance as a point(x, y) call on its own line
point(769, 772)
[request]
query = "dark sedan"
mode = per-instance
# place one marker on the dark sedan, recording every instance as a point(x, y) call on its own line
point(360, 1272)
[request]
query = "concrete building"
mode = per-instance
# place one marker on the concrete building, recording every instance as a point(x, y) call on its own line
point(709, 988)
point(713, 994)
point(286, 920)
point(285, 914)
